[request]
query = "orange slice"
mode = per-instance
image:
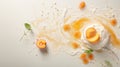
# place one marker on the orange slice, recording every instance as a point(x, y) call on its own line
point(91, 32)
point(94, 39)
point(41, 43)
point(78, 24)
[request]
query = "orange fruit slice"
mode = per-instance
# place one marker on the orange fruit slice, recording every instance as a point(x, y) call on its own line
point(94, 39)
point(41, 43)
point(91, 32)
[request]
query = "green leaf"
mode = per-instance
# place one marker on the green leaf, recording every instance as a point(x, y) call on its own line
point(108, 63)
point(27, 26)
point(89, 51)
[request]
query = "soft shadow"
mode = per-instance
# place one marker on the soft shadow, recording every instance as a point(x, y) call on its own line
point(44, 51)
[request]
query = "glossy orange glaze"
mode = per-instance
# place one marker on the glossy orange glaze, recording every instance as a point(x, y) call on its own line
point(78, 24)
point(114, 40)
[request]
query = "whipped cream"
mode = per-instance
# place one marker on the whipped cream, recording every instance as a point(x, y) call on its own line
point(104, 37)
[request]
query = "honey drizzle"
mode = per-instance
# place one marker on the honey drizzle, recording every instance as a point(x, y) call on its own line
point(114, 40)
point(78, 24)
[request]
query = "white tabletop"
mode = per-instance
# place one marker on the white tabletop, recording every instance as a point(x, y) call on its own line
point(13, 15)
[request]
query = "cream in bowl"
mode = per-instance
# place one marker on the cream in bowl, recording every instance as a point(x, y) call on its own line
point(94, 36)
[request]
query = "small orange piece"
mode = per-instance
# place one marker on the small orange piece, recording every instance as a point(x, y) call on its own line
point(91, 57)
point(77, 34)
point(85, 61)
point(82, 5)
point(113, 22)
point(83, 56)
point(66, 27)
point(41, 44)
point(75, 45)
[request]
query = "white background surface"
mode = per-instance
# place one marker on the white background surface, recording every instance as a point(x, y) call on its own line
point(13, 14)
